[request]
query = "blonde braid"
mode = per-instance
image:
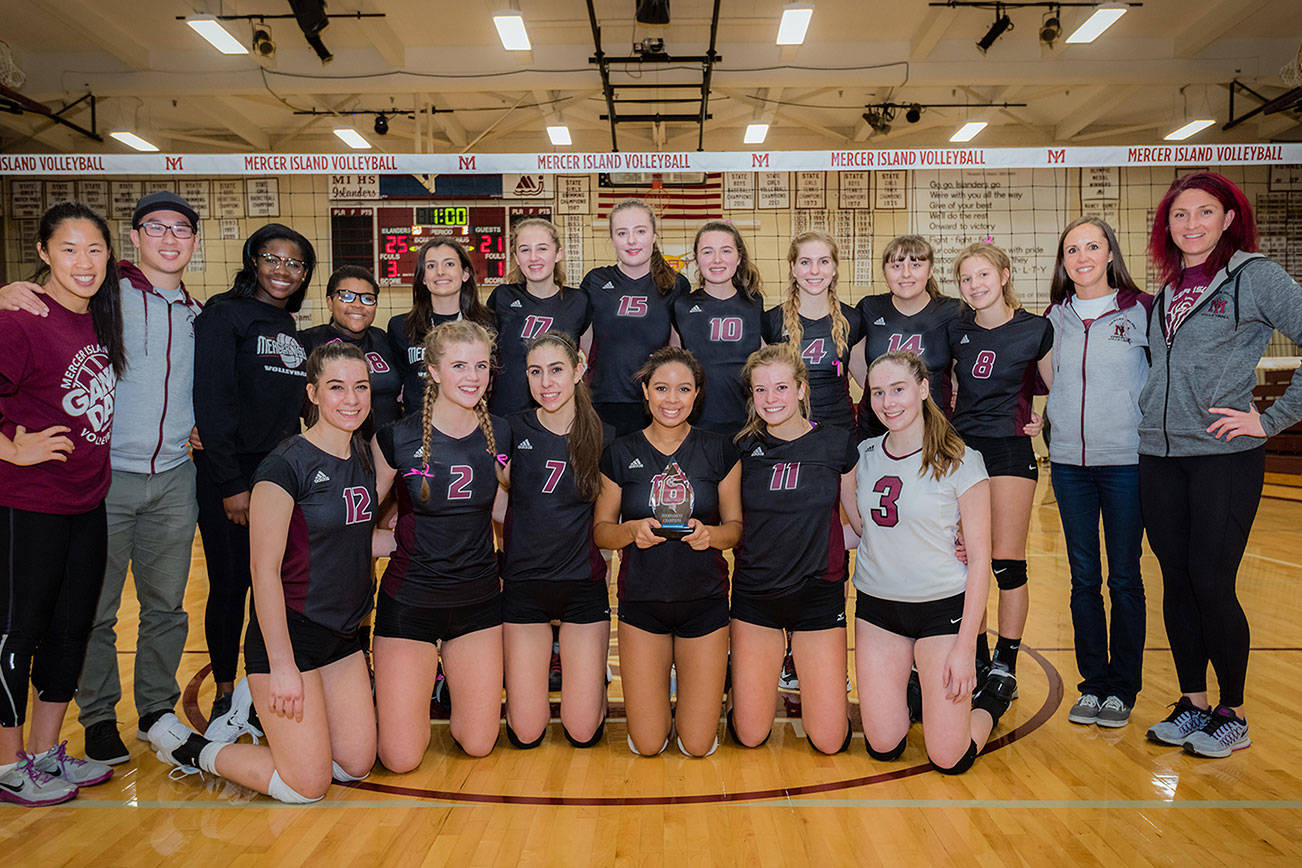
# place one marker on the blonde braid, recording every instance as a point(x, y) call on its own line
point(486, 425)
point(426, 428)
point(791, 317)
point(840, 325)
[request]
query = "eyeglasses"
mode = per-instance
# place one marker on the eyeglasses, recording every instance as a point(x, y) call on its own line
point(155, 229)
point(347, 296)
point(293, 266)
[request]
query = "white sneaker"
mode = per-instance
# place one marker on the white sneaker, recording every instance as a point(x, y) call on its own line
point(167, 735)
point(788, 680)
point(241, 719)
point(23, 783)
point(58, 763)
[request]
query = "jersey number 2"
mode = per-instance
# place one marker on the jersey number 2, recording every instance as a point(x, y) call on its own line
point(887, 513)
point(459, 487)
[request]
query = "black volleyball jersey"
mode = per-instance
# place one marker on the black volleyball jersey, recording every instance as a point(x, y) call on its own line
point(925, 333)
point(790, 506)
point(721, 333)
point(829, 374)
point(547, 534)
point(518, 317)
point(386, 379)
point(411, 360)
point(672, 571)
point(326, 570)
point(996, 372)
point(445, 544)
point(630, 321)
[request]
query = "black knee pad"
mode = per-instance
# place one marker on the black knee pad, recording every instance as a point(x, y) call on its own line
point(963, 764)
point(887, 756)
point(516, 741)
point(991, 704)
point(1009, 573)
point(845, 745)
point(592, 742)
point(732, 731)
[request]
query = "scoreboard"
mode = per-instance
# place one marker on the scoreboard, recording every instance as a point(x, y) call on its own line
point(387, 238)
point(402, 230)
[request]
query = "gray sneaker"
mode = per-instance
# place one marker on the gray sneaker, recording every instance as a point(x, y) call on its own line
point(25, 784)
point(1113, 712)
point(1223, 734)
point(1182, 722)
point(58, 763)
point(1085, 711)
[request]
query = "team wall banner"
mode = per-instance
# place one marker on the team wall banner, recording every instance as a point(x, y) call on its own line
point(661, 161)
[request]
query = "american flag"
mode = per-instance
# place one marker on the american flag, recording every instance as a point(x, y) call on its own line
point(695, 203)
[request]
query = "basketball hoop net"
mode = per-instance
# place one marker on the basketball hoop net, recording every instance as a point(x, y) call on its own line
point(658, 197)
point(1291, 72)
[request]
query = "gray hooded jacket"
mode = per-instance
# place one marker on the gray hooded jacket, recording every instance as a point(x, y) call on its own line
point(1213, 358)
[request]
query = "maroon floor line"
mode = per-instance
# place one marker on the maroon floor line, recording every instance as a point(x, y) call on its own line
point(1051, 704)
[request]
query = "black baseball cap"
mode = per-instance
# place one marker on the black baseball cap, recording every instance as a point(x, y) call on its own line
point(163, 200)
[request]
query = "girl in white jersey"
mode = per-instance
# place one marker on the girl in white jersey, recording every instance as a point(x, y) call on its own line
point(914, 484)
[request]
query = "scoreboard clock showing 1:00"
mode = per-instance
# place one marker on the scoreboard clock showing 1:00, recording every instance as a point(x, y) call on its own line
point(402, 231)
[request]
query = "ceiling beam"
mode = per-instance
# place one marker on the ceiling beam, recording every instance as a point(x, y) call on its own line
point(928, 33)
point(233, 116)
point(104, 31)
point(1215, 21)
point(382, 36)
point(1091, 104)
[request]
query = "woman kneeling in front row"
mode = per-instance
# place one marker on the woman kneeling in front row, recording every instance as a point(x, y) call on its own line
point(914, 484)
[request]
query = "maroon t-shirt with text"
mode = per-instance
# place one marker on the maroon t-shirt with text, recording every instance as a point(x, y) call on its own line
point(54, 371)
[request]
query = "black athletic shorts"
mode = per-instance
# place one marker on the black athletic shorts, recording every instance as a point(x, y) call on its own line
point(689, 619)
point(1006, 456)
point(911, 620)
point(624, 416)
point(818, 605)
point(314, 646)
point(580, 601)
point(435, 623)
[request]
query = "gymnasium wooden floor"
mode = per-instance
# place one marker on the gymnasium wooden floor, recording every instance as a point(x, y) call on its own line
point(1046, 792)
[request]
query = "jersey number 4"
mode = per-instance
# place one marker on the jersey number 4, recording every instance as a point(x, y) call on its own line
point(984, 365)
point(357, 503)
point(785, 477)
point(534, 326)
point(887, 513)
point(814, 352)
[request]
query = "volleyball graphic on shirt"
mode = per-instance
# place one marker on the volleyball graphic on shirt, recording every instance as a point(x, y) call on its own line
point(283, 345)
point(88, 392)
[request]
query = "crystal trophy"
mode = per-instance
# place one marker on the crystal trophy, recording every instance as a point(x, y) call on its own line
point(671, 502)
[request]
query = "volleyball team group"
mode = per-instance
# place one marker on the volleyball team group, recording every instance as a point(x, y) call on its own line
point(498, 452)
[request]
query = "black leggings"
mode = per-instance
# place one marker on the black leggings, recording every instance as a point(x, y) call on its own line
point(51, 571)
point(1198, 511)
point(226, 550)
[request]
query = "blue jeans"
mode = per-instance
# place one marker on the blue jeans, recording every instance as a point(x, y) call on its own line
point(1083, 493)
